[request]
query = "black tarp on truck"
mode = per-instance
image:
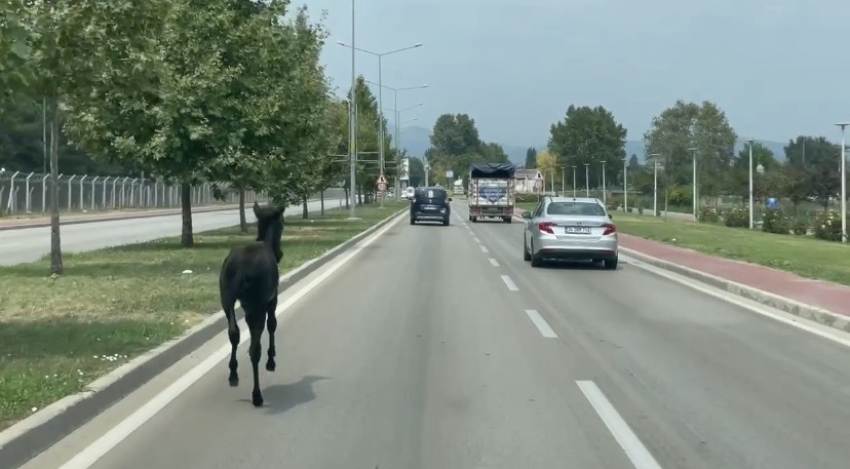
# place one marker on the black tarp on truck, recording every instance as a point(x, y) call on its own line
point(492, 171)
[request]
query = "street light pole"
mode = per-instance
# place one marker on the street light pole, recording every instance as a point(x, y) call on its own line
point(352, 130)
point(587, 179)
point(574, 181)
point(604, 195)
point(625, 185)
point(751, 182)
point(843, 184)
point(655, 184)
point(379, 55)
point(694, 188)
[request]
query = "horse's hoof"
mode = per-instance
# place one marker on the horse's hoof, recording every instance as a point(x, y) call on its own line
point(270, 365)
point(257, 399)
point(234, 381)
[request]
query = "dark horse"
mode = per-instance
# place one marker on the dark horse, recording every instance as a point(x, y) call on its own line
point(250, 274)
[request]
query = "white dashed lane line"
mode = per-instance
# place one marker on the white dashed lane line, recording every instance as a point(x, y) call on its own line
point(484, 249)
point(509, 283)
point(541, 324)
point(494, 262)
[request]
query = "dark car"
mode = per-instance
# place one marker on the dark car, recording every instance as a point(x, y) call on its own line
point(432, 204)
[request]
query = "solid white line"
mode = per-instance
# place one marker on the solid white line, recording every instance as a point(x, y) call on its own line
point(494, 262)
point(817, 329)
point(541, 324)
point(100, 447)
point(477, 240)
point(509, 283)
point(484, 249)
point(635, 450)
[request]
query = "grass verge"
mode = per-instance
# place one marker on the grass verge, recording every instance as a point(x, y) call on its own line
point(801, 255)
point(57, 335)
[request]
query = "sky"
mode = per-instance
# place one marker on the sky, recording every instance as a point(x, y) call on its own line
point(778, 68)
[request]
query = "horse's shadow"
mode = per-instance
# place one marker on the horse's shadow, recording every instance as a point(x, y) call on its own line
point(282, 397)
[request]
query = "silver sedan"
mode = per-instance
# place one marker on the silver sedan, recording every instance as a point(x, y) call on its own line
point(570, 228)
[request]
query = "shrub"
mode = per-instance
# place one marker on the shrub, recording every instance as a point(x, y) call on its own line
point(736, 217)
point(708, 215)
point(613, 201)
point(520, 198)
point(828, 226)
point(776, 222)
point(640, 209)
point(800, 227)
point(680, 196)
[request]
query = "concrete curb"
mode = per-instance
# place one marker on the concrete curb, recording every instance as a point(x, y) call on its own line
point(805, 311)
point(29, 437)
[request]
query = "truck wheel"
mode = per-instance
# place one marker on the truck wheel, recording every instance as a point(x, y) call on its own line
point(506, 219)
point(474, 219)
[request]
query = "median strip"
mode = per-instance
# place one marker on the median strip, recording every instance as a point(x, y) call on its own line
point(57, 335)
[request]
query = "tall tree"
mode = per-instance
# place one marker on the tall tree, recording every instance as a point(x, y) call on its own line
point(634, 162)
point(493, 153)
point(531, 158)
point(589, 136)
point(417, 172)
point(684, 126)
point(548, 164)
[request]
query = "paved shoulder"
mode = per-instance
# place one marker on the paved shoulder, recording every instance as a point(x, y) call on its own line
point(415, 355)
point(30, 244)
point(703, 383)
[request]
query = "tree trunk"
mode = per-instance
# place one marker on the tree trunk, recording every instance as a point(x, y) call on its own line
point(322, 202)
point(56, 266)
point(347, 199)
point(243, 222)
point(305, 213)
point(186, 238)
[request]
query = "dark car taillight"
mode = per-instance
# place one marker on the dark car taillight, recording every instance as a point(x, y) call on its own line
point(546, 227)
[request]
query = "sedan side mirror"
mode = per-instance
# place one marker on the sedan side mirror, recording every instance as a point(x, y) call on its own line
point(526, 215)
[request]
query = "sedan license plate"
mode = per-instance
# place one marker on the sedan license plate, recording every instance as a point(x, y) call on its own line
point(429, 207)
point(582, 230)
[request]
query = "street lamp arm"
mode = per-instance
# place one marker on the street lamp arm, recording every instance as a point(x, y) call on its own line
point(358, 49)
point(418, 44)
point(380, 54)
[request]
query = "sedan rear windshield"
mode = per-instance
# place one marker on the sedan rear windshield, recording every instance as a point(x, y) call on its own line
point(432, 193)
point(575, 208)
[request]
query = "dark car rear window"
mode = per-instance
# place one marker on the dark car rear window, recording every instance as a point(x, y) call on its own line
point(431, 193)
point(575, 208)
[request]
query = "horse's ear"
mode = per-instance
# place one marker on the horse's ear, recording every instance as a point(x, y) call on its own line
point(256, 209)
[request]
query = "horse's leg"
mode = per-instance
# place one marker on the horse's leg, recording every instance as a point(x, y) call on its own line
point(256, 323)
point(271, 322)
point(228, 303)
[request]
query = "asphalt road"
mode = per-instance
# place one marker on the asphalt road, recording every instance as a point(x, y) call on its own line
point(440, 348)
point(30, 244)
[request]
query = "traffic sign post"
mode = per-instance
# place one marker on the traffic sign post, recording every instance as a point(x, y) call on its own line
point(382, 187)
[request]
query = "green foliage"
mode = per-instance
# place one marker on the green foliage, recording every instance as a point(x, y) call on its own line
point(680, 196)
point(455, 145)
point(827, 226)
point(775, 221)
point(589, 136)
point(736, 217)
point(708, 215)
point(531, 158)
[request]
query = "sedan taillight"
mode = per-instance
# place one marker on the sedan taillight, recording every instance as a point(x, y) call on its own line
point(546, 227)
point(609, 229)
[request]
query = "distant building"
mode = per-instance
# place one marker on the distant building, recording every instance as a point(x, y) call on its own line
point(525, 179)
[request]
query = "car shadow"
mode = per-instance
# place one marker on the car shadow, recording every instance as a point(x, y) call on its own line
point(555, 264)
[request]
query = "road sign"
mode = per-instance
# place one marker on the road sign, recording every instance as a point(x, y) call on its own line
point(382, 180)
point(450, 174)
point(382, 186)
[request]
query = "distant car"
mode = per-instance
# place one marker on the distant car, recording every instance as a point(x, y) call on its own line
point(570, 228)
point(408, 193)
point(430, 203)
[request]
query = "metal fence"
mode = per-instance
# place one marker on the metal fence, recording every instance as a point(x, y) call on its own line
point(27, 193)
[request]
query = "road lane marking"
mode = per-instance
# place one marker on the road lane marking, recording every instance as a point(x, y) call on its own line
point(635, 450)
point(509, 283)
point(494, 262)
point(484, 249)
point(100, 447)
point(541, 324)
point(477, 240)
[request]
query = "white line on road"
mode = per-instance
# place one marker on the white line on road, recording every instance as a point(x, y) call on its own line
point(635, 450)
point(494, 262)
point(509, 283)
point(477, 240)
point(484, 249)
point(100, 447)
point(541, 324)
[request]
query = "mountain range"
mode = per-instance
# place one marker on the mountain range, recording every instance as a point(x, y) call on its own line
point(417, 139)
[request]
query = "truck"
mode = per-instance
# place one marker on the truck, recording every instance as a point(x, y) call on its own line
point(491, 191)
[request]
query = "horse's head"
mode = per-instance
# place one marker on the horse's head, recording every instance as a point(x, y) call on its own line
point(270, 227)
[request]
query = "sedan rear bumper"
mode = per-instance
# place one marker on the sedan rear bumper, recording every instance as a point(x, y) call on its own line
point(604, 248)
